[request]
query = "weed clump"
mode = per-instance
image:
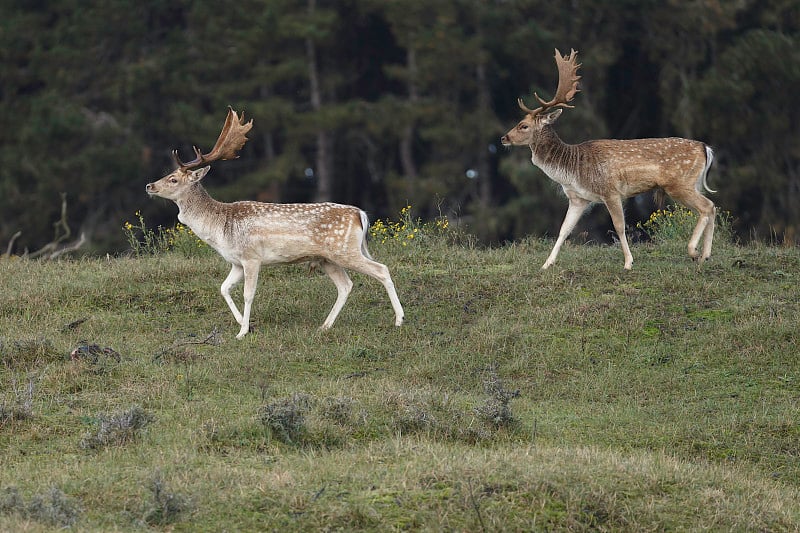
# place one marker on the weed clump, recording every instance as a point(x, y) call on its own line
point(675, 223)
point(434, 415)
point(286, 417)
point(118, 429)
point(28, 353)
point(167, 507)
point(12, 412)
point(53, 507)
point(411, 411)
point(339, 409)
point(496, 410)
point(148, 241)
point(20, 408)
point(407, 230)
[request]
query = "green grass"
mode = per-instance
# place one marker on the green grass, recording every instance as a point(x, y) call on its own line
point(582, 397)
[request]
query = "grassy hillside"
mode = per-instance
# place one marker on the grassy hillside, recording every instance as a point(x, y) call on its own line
point(582, 397)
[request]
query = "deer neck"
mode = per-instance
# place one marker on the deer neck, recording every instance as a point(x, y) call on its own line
point(559, 160)
point(200, 212)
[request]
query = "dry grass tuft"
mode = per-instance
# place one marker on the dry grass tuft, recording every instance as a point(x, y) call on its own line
point(117, 429)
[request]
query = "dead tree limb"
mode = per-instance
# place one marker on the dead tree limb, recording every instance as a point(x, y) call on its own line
point(62, 233)
point(11, 244)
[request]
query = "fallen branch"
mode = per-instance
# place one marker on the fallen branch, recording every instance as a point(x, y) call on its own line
point(212, 339)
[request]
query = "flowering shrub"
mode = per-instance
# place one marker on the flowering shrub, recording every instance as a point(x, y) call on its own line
point(406, 230)
point(148, 241)
point(677, 222)
point(672, 223)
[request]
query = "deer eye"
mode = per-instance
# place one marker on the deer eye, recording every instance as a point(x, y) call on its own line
point(523, 127)
point(173, 180)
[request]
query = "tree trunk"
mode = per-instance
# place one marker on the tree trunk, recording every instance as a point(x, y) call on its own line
point(407, 140)
point(484, 111)
point(324, 160)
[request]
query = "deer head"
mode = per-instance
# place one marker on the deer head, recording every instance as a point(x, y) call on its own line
point(230, 141)
point(526, 131)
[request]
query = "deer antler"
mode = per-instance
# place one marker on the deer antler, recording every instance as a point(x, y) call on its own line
point(230, 141)
point(567, 84)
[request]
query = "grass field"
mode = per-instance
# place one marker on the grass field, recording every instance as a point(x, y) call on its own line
point(579, 398)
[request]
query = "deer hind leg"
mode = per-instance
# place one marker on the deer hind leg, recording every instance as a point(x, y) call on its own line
point(709, 235)
point(575, 210)
point(706, 213)
point(235, 276)
point(343, 287)
point(380, 272)
point(614, 206)
point(251, 269)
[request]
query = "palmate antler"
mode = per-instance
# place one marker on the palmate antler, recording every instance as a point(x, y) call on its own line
point(567, 85)
point(230, 141)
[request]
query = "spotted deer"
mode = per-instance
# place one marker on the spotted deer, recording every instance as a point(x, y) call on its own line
point(610, 171)
point(250, 234)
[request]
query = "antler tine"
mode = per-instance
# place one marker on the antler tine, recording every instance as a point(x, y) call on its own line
point(177, 159)
point(194, 163)
point(567, 81)
point(526, 108)
point(231, 139)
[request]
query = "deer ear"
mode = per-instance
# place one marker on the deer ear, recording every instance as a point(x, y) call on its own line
point(550, 118)
point(197, 175)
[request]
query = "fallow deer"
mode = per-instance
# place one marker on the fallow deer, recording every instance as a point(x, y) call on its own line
point(609, 171)
point(249, 234)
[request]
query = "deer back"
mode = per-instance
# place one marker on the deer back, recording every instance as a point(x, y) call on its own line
point(278, 233)
point(639, 165)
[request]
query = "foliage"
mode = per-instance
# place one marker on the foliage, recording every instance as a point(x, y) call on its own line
point(675, 223)
point(143, 240)
point(95, 98)
point(407, 230)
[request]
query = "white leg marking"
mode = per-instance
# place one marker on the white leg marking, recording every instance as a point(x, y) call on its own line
point(250, 281)
point(233, 278)
point(576, 208)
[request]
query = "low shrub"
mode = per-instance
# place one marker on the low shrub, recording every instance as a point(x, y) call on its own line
point(52, 507)
point(117, 429)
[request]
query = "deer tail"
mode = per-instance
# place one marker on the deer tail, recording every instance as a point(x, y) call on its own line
point(365, 230)
point(702, 180)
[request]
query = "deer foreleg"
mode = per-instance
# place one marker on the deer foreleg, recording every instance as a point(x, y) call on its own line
point(575, 210)
point(233, 278)
point(250, 281)
point(614, 206)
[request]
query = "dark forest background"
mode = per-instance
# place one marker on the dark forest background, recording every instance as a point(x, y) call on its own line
point(380, 103)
